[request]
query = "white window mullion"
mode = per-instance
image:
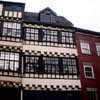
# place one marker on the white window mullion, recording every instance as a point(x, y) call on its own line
point(85, 49)
point(89, 71)
point(92, 93)
point(98, 48)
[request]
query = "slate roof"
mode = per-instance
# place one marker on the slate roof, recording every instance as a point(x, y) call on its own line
point(35, 18)
point(87, 31)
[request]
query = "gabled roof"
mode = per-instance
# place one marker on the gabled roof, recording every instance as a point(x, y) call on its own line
point(35, 17)
point(48, 9)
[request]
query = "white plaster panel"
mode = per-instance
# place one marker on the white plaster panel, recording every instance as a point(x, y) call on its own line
point(10, 43)
point(10, 79)
point(50, 49)
point(41, 48)
point(50, 82)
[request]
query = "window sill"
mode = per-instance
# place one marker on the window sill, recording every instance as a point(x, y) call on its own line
point(90, 78)
point(86, 54)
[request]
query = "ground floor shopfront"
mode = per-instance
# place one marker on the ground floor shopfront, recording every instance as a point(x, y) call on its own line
point(7, 93)
point(19, 93)
point(52, 95)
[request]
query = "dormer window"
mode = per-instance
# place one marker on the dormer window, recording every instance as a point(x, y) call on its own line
point(47, 16)
point(47, 13)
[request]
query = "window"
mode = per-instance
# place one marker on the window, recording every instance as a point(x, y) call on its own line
point(31, 34)
point(88, 71)
point(51, 65)
point(9, 61)
point(31, 64)
point(11, 29)
point(67, 37)
point(1, 8)
point(50, 36)
point(6, 13)
point(85, 49)
point(19, 14)
point(15, 14)
point(98, 48)
point(47, 17)
point(39, 64)
point(92, 94)
point(69, 66)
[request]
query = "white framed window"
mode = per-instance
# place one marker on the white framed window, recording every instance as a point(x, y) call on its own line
point(88, 71)
point(98, 48)
point(85, 48)
point(1, 8)
point(92, 94)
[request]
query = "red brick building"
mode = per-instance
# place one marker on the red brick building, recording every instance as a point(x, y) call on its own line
point(88, 46)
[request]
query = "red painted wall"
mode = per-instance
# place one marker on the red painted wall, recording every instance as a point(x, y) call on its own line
point(93, 58)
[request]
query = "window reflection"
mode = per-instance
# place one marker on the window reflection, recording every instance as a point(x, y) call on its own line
point(11, 29)
point(9, 61)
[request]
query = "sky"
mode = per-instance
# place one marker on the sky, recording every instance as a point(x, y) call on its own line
point(83, 14)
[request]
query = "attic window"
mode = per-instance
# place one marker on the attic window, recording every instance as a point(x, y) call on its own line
point(47, 18)
point(47, 13)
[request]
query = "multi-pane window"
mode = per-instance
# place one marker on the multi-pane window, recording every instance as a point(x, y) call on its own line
point(67, 37)
point(69, 66)
point(11, 29)
point(47, 17)
point(13, 10)
point(50, 36)
point(31, 64)
point(98, 48)
point(51, 64)
point(31, 34)
point(9, 61)
point(92, 94)
point(85, 48)
point(15, 14)
point(88, 71)
point(1, 8)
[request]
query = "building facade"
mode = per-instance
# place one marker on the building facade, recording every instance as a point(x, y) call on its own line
point(38, 55)
point(88, 46)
